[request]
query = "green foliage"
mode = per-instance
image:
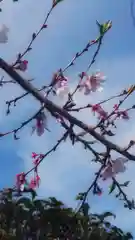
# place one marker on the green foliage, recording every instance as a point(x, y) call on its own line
point(27, 218)
point(80, 196)
point(112, 187)
point(103, 28)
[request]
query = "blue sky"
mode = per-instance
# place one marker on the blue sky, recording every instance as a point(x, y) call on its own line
point(70, 27)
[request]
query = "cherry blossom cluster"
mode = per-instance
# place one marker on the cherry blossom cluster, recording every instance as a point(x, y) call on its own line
point(41, 123)
point(22, 182)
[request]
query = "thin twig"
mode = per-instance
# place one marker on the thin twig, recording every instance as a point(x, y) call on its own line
point(50, 151)
point(34, 36)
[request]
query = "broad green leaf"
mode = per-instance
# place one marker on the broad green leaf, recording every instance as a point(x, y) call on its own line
point(112, 187)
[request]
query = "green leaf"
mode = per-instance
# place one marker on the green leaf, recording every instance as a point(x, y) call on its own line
point(129, 235)
point(125, 184)
point(117, 231)
point(103, 28)
point(38, 203)
point(24, 201)
point(108, 214)
point(112, 187)
point(8, 193)
point(55, 203)
point(80, 196)
point(101, 217)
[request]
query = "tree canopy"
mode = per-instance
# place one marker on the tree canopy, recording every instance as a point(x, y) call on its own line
point(27, 217)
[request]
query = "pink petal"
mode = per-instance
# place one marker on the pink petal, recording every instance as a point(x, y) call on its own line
point(107, 173)
point(34, 155)
point(118, 165)
point(40, 130)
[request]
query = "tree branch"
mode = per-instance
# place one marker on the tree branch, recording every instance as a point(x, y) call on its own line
point(50, 106)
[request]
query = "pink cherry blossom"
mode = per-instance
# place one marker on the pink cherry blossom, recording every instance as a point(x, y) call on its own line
point(116, 106)
point(102, 114)
point(114, 168)
point(97, 190)
point(20, 177)
point(36, 161)
point(34, 155)
point(20, 181)
point(54, 3)
point(34, 182)
point(37, 158)
point(94, 41)
point(92, 83)
point(44, 26)
point(61, 87)
point(99, 193)
point(60, 84)
point(41, 123)
point(123, 114)
point(22, 65)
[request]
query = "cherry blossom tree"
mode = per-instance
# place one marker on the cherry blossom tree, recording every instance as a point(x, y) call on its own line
point(65, 116)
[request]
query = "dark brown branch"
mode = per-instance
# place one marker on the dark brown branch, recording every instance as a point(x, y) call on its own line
point(129, 204)
point(90, 188)
point(15, 131)
point(26, 122)
point(99, 42)
point(79, 54)
point(13, 101)
point(101, 102)
point(95, 54)
point(50, 106)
